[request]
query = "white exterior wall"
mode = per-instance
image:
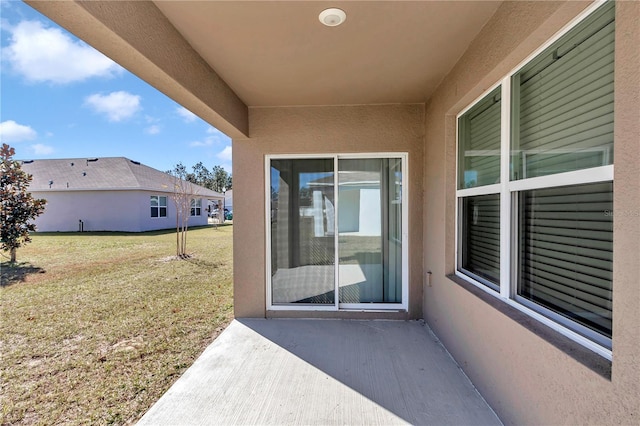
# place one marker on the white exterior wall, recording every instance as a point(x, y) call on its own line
point(144, 219)
point(360, 211)
point(370, 218)
point(127, 211)
point(148, 223)
point(228, 200)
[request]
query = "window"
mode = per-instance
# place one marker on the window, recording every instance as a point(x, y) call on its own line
point(337, 232)
point(196, 206)
point(479, 167)
point(158, 206)
point(535, 184)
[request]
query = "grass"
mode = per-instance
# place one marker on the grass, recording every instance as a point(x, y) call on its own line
point(95, 327)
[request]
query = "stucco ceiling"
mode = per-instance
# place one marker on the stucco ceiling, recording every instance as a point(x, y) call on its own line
point(279, 54)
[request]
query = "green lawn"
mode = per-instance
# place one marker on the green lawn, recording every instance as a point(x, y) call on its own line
point(95, 327)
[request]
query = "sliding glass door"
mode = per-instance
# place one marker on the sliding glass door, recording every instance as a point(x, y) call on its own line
point(369, 191)
point(302, 231)
point(336, 233)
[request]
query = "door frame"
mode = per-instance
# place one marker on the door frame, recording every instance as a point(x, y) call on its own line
point(337, 306)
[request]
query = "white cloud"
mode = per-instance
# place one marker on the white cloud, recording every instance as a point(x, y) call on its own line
point(186, 115)
point(206, 142)
point(117, 106)
point(44, 54)
point(40, 149)
point(10, 131)
point(152, 130)
point(215, 138)
point(225, 154)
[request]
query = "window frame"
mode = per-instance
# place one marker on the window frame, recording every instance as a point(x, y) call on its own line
point(159, 206)
point(508, 190)
point(195, 207)
point(337, 306)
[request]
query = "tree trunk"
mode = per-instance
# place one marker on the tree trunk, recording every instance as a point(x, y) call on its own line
point(177, 232)
point(13, 254)
point(184, 237)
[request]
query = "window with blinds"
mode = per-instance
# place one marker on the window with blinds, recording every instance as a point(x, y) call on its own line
point(479, 167)
point(549, 228)
point(566, 252)
point(481, 238)
point(479, 143)
point(562, 117)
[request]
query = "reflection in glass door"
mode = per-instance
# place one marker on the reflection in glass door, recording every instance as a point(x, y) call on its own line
point(336, 233)
point(302, 231)
point(369, 229)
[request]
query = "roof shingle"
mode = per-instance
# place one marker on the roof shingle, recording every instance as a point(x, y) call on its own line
point(101, 174)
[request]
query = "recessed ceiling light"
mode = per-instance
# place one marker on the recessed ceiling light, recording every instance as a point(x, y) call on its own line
point(332, 17)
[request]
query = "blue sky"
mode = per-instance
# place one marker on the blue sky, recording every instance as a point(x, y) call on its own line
point(60, 98)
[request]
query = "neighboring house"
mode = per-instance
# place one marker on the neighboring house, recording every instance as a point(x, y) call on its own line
point(110, 194)
point(493, 129)
point(228, 200)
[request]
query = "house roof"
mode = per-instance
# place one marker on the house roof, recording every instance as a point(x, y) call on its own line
point(219, 58)
point(101, 174)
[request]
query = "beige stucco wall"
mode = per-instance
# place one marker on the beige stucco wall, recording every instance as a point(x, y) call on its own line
point(346, 129)
point(525, 378)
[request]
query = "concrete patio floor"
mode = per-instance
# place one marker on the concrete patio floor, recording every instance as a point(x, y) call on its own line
point(323, 372)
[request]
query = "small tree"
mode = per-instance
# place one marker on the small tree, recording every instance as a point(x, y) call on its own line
point(183, 192)
point(18, 206)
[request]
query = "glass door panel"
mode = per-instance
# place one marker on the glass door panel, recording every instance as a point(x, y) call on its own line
point(394, 263)
point(302, 231)
point(370, 230)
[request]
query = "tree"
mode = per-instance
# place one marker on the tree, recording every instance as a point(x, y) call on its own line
point(183, 192)
point(220, 178)
point(216, 179)
point(18, 206)
point(203, 176)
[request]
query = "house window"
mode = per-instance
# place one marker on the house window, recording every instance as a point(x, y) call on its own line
point(535, 184)
point(337, 229)
point(196, 206)
point(158, 206)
